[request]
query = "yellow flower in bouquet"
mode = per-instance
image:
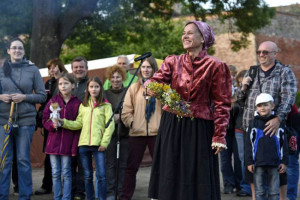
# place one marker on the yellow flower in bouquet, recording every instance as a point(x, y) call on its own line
point(171, 98)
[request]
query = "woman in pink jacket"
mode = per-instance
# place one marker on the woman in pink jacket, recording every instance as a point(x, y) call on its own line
point(185, 164)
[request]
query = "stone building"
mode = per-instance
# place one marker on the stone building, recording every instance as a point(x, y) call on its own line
point(284, 30)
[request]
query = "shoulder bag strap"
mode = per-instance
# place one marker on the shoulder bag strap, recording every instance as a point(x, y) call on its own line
point(14, 82)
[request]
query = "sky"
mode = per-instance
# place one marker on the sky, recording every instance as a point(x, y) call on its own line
point(273, 3)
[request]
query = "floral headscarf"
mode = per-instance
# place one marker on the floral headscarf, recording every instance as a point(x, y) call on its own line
point(207, 33)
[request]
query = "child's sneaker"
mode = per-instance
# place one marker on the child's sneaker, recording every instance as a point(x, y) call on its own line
point(16, 192)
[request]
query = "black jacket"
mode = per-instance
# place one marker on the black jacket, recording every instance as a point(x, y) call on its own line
point(80, 88)
point(263, 150)
point(237, 114)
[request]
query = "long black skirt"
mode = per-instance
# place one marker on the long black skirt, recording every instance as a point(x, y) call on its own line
point(184, 165)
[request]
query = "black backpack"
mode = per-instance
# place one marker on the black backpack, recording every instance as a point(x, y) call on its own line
point(291, 135)
point(293, 130)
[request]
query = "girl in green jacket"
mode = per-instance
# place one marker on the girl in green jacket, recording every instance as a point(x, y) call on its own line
point(94, 113)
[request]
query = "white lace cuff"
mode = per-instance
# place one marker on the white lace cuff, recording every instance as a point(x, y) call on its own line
point(216, 144)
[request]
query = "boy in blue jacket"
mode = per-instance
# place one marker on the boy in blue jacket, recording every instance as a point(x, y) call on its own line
point(265, 155)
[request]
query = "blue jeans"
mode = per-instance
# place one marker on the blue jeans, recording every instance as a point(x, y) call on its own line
point(86, 153)
point(231, 174)
point(61, 166)
point(292, 172)
point(240, 146)
point(292, 176)
point(23, 137)
point(273, 183)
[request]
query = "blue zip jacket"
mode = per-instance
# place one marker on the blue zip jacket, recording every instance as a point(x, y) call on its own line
point(263, 150)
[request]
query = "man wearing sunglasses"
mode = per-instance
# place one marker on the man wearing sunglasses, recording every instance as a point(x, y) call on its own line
point(274, 78)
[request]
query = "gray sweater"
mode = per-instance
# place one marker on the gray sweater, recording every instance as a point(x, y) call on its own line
point(29, 79)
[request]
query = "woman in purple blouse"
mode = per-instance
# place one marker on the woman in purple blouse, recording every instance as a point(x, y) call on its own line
point(185, 164)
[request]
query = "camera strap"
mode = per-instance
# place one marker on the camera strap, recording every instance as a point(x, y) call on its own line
point(258, 80)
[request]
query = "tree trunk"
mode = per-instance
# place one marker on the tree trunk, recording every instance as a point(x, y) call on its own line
point(51, 26)
point(45, 43)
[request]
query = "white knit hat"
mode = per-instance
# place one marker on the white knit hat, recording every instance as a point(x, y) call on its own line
point(263, 98)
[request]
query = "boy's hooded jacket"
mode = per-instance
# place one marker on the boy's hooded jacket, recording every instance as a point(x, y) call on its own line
point(91, 120)
point(263, 150)
point(62, 141)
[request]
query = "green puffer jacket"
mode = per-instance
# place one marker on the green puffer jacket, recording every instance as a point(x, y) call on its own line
point(91, 120)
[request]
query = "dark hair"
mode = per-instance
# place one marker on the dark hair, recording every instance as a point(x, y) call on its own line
point(6, 68)
point(12, 40)
point(153, 64)
point(67, 77)
point(241, 74)
point(116, 68)
point(100, 98)
point(58, 62)
point(6, 65)
point(233, 69)
point(79, 59)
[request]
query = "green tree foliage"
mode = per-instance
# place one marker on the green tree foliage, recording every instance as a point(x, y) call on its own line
point(298, 99)
point(15, 20)
point(112, 27)
point(160, 37)
point(141, 26)
point(245, 16)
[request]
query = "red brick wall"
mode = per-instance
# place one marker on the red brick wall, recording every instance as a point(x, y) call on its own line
point(242, 59)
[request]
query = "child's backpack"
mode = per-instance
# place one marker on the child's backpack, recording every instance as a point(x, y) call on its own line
point(293, 130)
point(291, 135)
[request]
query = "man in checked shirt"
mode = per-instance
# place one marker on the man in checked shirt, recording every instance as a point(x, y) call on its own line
point(276, 79)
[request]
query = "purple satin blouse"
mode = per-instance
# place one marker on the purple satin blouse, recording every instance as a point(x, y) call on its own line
point(205, 83)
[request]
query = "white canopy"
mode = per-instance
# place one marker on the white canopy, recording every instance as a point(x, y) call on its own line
point(93, 64)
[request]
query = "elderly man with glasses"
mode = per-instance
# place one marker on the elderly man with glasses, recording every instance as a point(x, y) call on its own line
point(276, 79)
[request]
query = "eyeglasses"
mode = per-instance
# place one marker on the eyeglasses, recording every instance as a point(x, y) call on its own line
point(265, 53)
point(17, 48)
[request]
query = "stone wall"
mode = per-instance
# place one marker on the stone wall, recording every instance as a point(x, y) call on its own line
point(283, 25)
point(284, 31)
point(289, 51)
point(242, 59)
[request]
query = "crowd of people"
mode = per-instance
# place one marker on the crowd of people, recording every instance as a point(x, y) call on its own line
point(102, 129)
point(252, 132)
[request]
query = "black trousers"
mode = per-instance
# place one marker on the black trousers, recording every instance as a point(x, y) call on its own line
point(78, 188)
point(47, 180)
point(14, 171)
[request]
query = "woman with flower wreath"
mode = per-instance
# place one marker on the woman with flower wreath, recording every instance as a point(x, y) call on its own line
point(142, 116)
point(185, 164)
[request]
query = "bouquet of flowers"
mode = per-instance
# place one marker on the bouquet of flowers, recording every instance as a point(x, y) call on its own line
point(168, 96)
